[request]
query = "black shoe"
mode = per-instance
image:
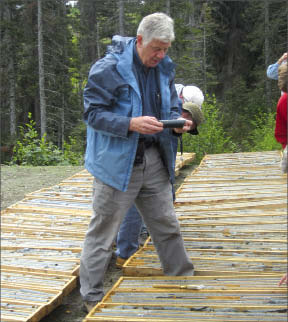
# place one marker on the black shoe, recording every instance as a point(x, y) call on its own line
point(88, 306)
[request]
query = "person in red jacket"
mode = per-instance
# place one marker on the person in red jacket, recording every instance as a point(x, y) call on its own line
point(281, 115)
point(281, 126)
point(281, 121)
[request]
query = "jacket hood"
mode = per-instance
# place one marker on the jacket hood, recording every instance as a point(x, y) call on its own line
point(118, 44)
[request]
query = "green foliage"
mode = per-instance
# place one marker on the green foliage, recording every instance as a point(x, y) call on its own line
point(262, 136)
point(70, 155)
point(32, 150)
point(223, 47)
point(35, 151)
point(212, 138)
point(79, 137)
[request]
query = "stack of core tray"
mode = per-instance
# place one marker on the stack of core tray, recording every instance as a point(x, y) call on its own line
point(41, 242)
point(233, 216)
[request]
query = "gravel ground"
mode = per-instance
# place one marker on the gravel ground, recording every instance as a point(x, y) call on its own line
point(16, 182)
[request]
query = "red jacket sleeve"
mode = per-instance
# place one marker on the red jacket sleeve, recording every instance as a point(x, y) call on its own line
point(281, 121)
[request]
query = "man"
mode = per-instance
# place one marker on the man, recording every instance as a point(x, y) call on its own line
point(191, 94)
point(132, 225)
point(129, 152)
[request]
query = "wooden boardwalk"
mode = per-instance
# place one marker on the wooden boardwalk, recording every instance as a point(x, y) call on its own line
point(41, 242)
point(233, 216)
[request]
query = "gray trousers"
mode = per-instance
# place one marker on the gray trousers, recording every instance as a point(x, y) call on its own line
point(151, 191)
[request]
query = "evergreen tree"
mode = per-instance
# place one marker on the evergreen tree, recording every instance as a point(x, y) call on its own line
point(224, 47)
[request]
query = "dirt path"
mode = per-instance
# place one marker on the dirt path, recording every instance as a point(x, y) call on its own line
point(16, 182)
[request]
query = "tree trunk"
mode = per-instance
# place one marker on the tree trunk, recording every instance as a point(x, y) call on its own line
point(61, 121)
point(267, 49)
point(98, 40)
point(192, 14)
point(168, 7)
point(41, 71)
point(61, 124)
point(12, 95)
point(1, 75)
point(204, 57)
point(8, 39)
point(231, 52)
point(121, 17)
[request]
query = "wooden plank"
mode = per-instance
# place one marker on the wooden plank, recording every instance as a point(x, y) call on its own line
point(27, 296)
point(199, 215)
point(225, 232)
point(218, 298)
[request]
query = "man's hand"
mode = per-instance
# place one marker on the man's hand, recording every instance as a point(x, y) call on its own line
point(187, 126)
point(145, 125)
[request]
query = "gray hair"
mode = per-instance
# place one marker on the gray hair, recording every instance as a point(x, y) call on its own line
point(156, 26)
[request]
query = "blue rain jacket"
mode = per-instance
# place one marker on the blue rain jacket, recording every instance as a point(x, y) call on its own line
point(111, 99)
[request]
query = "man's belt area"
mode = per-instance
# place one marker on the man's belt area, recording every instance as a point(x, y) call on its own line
point(143, 144)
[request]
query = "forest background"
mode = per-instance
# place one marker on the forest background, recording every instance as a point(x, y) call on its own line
point(224, 47)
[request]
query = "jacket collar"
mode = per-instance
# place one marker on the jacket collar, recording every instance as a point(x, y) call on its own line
point(124, 65)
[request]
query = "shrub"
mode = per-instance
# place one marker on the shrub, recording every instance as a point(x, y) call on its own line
point(70, 155)
point(212, 138)
point(262, 136)
point(35, 151)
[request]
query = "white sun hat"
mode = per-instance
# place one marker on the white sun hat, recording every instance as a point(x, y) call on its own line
point(193, 94)
point(179, 88)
